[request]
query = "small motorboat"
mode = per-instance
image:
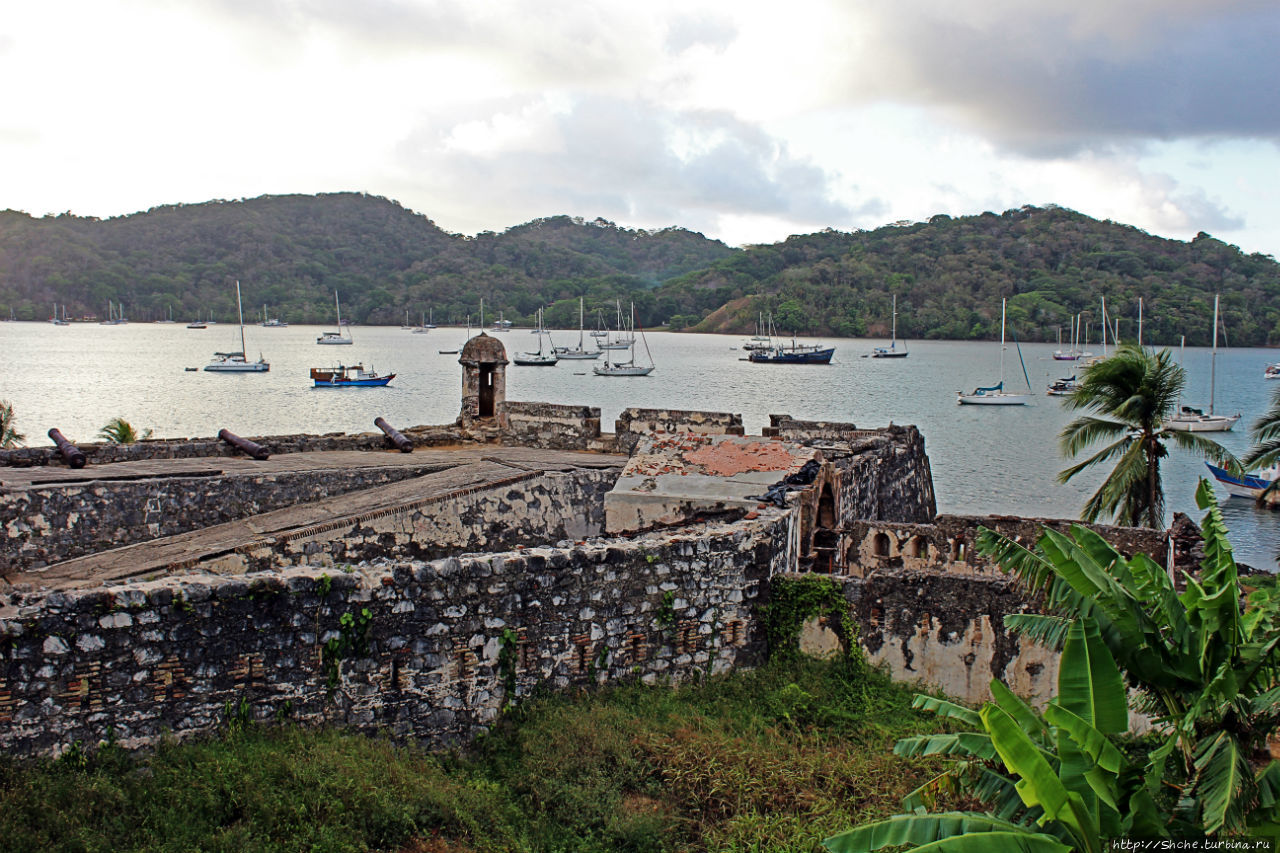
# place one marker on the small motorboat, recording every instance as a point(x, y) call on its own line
point(349, 376)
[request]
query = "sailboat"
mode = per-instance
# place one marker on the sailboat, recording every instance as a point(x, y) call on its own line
point(996, 395)
point(423, 327)
point(115, 315)
point(628, 367)
point(59, 321)
point(541, 358)
point(235, 362)
point(336, 337)
point(1190, 419)
point(892, 350)
point(580, 353)
point(270, 322)
point(624, 340)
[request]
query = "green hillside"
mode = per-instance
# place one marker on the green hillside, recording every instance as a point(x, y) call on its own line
point(292, 252)
point(949, 274)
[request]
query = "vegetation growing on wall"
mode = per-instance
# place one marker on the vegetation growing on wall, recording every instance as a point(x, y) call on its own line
point(725, 765)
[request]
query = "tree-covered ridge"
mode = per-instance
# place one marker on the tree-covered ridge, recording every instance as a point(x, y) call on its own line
point(949, 275)
point(292, 252)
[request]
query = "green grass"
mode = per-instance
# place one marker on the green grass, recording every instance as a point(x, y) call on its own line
point(773, 760)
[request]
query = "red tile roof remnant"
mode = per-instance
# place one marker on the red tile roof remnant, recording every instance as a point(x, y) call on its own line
point(729, 458)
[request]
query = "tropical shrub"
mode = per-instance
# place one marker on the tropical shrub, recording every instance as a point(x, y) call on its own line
point(1202, 667)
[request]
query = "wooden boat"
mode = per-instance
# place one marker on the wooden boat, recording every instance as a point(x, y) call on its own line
point(349, 376)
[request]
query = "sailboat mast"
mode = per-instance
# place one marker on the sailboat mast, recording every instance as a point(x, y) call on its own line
point(1002, 307)
point(1213, 357)
point(240, 312)
point(893, 334)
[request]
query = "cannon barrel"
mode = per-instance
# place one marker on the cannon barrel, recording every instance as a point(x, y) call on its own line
point(404, 444)
point(257, 451)
point(69, 451)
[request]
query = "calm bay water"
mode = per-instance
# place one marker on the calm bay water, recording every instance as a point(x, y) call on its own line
point(985, 459)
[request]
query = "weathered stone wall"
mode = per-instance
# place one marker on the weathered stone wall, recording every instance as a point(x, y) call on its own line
point(46, 524)
point(549, 425)
point(947, 632)
point(525, 511)
point(885, 473)
point(946, 545)
point(635, 423)
point(932, 609)
point(443, 646)
point(190, 448)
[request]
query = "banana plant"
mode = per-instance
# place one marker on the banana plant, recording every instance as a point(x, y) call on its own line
point(1201, 665)
point(1052, 782)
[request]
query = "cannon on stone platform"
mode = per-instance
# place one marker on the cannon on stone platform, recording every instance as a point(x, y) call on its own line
point(72, 454)
point(257, 451)
point(396, 438)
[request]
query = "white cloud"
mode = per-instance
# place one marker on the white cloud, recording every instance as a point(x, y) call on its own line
point(731, 119)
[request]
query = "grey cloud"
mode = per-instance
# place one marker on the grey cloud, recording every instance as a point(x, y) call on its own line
point(615, 159)
point(1048, 81)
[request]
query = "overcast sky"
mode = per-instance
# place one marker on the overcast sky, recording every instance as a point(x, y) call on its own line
point(747, 121)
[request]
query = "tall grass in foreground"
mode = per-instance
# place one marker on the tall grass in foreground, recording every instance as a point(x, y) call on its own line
point(772, 760)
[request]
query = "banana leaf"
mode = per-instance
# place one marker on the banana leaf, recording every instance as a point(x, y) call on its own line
point(950, 832)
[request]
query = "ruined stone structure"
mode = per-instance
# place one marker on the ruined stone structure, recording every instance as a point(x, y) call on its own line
point(343, 581)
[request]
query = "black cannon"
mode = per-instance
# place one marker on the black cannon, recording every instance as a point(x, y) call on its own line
point(257, 451)
point(69, 451)
point(404, 444)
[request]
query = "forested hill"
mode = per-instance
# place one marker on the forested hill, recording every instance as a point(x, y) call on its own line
point(292, 252)
point(949, 275)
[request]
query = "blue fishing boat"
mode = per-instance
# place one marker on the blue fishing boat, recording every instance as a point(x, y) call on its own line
point(353, 376)
point(1245, 485)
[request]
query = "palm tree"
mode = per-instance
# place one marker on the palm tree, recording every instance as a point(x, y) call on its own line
point(1138, 390)
point(9, 435)
point(120, 431)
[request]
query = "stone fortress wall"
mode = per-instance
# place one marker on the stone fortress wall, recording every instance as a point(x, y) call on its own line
point(390, 620)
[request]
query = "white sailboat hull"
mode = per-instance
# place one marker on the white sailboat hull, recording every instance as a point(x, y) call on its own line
point(1201, 423)
point(622, 370)
point(996, 399)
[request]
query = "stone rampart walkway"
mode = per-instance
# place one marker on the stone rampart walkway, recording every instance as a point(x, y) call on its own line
point(457, 470)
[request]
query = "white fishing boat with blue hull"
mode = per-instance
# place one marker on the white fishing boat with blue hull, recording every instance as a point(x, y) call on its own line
point(1245, 485)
